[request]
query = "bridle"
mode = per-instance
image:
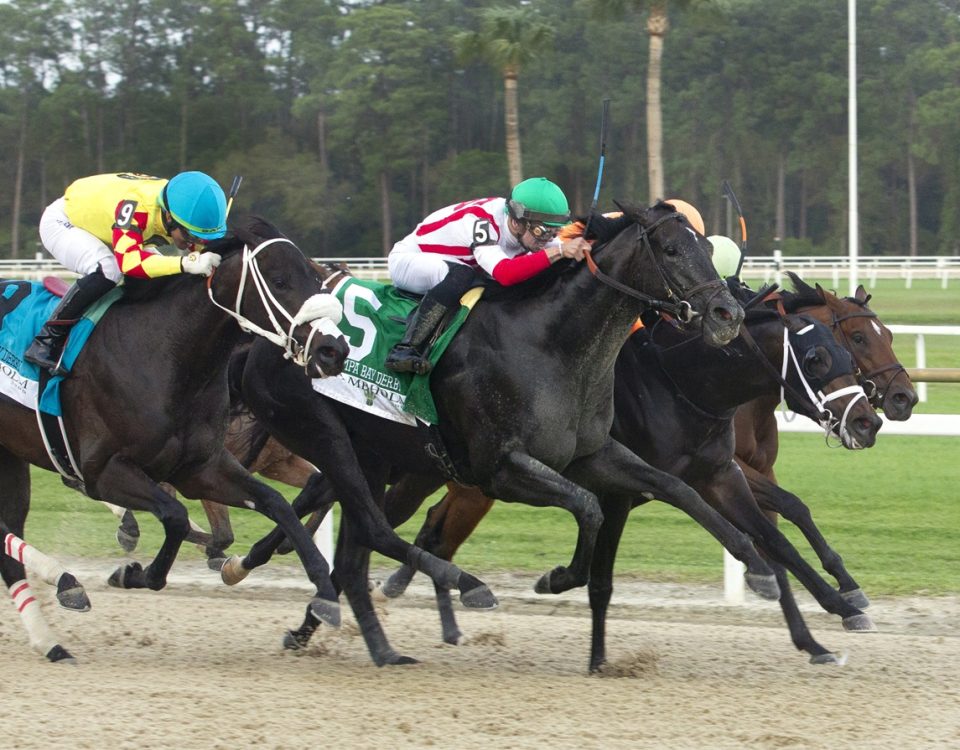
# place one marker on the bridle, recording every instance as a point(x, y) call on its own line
point(814, 397)
point(874, 393)
point(321, 311)
point(674, 305)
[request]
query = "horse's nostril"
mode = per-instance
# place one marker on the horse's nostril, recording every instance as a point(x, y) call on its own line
point(723, 313)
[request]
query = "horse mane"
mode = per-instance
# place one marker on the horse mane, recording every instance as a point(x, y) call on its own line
point(253, 231)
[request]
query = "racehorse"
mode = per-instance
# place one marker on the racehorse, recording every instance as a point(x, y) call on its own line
point(525, 398)
point(146, 402)
point(680, 419)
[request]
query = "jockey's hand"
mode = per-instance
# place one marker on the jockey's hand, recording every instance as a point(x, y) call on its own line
point(199, 263)
point(574, 248)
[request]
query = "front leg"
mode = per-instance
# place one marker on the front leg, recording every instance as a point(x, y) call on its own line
point(521, 478)
point(616, 471)
point(225, 481)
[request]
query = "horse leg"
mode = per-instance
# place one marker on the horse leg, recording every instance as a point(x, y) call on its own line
point(600, 586)
point(14, 504)
point(221, 533)
point(617, 471)
point(128, 532)
point(447, 526)
point(281, 465)
point(799, 632)
point(773, 498)
point(729, 493)
point(226, 481)
point(70, 594)
point(522, 478)
point(351, 566)
point(123, 481)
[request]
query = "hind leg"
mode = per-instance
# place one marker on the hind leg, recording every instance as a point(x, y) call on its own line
point(128, 532)
point(14, 504)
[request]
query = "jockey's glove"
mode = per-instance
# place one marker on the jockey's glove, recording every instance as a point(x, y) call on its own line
point(199, 263)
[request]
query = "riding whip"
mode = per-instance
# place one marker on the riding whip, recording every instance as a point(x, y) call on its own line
point(604, 121)
point(234, 189)
point(732, 197)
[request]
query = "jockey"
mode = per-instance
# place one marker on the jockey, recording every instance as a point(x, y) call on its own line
point(507, 239)
point(109, 226)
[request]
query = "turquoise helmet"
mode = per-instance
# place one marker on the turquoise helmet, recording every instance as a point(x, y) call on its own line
point(538, 199)
point(196, 202)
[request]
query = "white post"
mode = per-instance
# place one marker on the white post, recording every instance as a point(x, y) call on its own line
point(323, 538)
point(854, 217)
point(921, 363)
point(777, 265)
point(733, 584)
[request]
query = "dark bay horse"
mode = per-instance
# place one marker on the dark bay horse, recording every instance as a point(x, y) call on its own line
point(858, 329)
point(680, 419)
point(147, 403)
point(525, 397)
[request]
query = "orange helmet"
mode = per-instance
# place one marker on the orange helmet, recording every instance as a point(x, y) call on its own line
point(693, 216)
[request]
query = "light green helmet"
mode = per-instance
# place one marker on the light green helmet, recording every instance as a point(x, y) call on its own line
point(726, 255)
point(538, 199)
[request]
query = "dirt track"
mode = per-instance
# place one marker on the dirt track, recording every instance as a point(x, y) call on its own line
point(200, 666)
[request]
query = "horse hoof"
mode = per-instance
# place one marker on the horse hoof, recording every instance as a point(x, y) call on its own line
point(71, 595)
point(479, 597)
point(74, 599)
point(295, 641)
point(555, 581)
point(838, 660)
point(393, 659)
point(125, 577)
point(216, 563)
point(326, 611)
point(127, 542)
point(59, 655)
point(859, 624)
point(232, 571)
point(397, 583)
point(856, 598)
point(764, 586)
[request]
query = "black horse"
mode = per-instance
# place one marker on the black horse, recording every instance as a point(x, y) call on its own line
point(675, 401)
point(525, 397)
point(147, 402)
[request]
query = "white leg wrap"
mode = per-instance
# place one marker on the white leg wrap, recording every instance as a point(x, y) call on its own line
point(41, 637)
point(115, 509)
point(33, 560)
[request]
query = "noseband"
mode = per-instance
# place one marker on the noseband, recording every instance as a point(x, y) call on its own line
point(674, 304)
point(321, 311)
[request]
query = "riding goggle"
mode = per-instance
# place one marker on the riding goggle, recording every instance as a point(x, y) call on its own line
point(541, 232)
point(191, 238)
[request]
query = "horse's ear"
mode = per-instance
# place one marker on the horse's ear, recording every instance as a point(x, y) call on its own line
point(861, 295)
point(822, 293)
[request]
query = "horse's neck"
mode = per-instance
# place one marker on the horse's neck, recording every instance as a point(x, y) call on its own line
point(721, 379)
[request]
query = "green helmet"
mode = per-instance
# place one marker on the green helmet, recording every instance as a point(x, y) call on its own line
point(538, 199)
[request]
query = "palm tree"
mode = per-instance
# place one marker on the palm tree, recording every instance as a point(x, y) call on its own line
point(658, 24)
point(508, 39)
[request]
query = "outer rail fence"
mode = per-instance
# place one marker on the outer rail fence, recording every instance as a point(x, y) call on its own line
point(766, 267)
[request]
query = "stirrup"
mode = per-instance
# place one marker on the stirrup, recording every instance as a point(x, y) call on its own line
point(41, 355)
point(407, 359)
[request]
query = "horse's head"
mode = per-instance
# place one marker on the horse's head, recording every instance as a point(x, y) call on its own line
point(678, 262)
point(267, 284)
point(858, 328)
point(822, 383)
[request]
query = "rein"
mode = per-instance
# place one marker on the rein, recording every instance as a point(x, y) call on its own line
point(682, 310)
point(321, 311)
point(818, 400)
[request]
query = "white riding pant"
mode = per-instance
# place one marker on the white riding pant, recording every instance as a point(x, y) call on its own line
point(417, 272)
point(74, 247)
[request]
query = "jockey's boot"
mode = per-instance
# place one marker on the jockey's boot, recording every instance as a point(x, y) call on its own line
point(410, 355)
point(47, 347)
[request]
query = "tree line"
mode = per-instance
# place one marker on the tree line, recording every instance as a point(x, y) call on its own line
point(351, 120)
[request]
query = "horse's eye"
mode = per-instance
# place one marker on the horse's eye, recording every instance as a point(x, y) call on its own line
point(279, 282)
point(670, 250)
point(858, 338)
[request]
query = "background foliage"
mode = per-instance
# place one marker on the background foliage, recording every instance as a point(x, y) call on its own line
point(351, 120)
